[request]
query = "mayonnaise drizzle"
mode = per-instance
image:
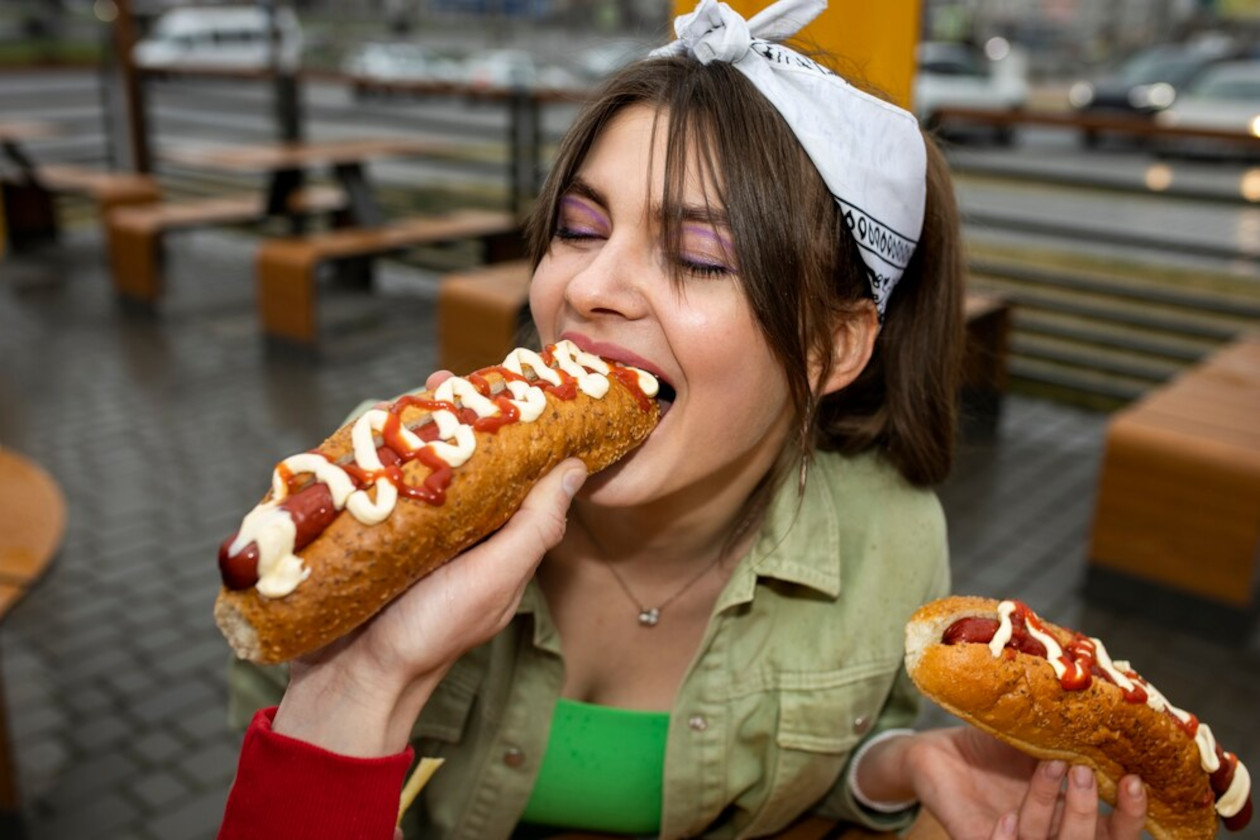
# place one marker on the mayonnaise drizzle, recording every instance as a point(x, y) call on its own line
point(272, 528)
point(1232, 801)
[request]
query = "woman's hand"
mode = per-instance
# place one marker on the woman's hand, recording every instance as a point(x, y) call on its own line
point(980, 788)
point(361, 695)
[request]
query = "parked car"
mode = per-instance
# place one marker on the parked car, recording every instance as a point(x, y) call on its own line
point(236, 37)
point(515, 69)
point(1145, 83)
point(374, 63)
point(596, 63)
point(956, 75)
point(1226, 97)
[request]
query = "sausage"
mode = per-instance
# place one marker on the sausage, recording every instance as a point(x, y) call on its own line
point(393, 495)
point(1057, 694)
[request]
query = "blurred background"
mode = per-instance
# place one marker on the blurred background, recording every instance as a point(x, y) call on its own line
point(1107, 161)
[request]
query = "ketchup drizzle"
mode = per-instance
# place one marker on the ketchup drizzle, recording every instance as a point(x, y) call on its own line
point(311, 506)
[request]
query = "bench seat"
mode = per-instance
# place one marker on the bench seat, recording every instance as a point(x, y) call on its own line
point(287, 266)
point(1176, 527)
point(135, 234)
point(29, 206)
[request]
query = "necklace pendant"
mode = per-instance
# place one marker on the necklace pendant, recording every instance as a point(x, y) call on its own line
point(649, 617)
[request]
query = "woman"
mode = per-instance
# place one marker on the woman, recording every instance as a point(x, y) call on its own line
point(782, 250)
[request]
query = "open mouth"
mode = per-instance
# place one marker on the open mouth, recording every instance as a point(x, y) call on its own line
point(665, 396)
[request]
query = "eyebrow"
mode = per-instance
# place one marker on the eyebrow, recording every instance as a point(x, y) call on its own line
point(702, 213)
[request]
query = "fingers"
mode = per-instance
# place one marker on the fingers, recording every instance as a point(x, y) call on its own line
point(539, 524)
point(1080, 805)
point(1130, 812)
point(1036, 817)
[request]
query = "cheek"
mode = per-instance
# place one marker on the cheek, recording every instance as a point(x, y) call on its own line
point(545, 294)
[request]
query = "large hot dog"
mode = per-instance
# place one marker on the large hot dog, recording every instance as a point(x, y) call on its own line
point(392, 496)
point(1056, 694)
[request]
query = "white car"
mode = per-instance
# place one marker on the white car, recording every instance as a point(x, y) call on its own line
point(515, 69)
point(1225, 97)
point(954, 75)
point(236, 37)
point(400, 62)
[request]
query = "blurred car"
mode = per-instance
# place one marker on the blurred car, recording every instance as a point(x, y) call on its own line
point(1224, 97)
point(956, 75)
point(237, 37)
point(596, 63)
point(515, 69)
point(1145, 83)
point(375, 63)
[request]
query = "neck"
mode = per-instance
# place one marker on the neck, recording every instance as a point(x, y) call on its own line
point(687, 530)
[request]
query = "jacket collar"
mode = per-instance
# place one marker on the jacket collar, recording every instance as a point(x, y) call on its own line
point(799, 542)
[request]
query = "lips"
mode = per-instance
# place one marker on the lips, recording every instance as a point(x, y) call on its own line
point(615, 352)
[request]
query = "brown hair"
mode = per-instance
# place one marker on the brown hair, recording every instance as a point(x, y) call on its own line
point(798, 264)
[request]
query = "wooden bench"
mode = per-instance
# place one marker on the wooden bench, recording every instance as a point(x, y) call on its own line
point(484, 313)
point(32, 521)
point(135, 235)
point(1176, 532)
point(29, 203)
point(287, 267)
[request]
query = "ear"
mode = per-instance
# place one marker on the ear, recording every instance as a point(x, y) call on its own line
point(852, 343)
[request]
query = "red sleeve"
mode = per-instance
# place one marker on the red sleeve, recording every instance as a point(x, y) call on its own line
point(286, 788)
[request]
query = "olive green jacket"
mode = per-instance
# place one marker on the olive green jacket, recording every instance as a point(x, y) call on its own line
point(800, 662)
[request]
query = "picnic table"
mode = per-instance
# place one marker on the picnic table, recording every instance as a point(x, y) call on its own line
point(286, 165)
point(27, 189)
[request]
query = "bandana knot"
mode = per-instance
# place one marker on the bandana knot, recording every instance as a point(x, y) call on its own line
point(712, 35)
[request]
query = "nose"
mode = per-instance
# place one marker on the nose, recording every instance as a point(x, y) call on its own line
point(612, 282)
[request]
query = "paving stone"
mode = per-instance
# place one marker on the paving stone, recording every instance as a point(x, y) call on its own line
point(197, 818)
point(97, 732)
point(212, 765)
point(168, 701)
point(77, 817)
point(156, 746)
point(159, 789)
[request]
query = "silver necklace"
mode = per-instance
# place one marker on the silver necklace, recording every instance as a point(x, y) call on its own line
point(651, 616)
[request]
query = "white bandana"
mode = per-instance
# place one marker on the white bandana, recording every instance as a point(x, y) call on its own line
point(869, 152)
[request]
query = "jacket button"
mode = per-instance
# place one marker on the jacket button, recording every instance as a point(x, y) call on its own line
point(513, 757)
point(698, 723)
point(861, 723)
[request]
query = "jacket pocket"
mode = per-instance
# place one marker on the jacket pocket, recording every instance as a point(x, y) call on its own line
point(821, 719)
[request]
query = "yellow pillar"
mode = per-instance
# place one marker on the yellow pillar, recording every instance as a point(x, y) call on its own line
point(874, 39)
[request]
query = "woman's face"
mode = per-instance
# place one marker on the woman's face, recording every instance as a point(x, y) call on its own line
point(607, 285)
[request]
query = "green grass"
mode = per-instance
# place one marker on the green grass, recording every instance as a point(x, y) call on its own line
point(37, 54)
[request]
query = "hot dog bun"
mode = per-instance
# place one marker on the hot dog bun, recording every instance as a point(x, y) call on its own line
point(281, 602)
point(1019, 697)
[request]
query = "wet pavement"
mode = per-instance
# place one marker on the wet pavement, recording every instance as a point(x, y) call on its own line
point(161, 431)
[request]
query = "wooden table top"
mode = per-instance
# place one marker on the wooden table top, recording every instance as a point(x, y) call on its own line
point(32, 521)
point(16, 130)
point(272, 156)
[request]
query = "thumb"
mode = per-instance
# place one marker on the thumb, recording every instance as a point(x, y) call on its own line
point(539, 524)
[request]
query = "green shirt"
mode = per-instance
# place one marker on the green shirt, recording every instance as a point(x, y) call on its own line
point(801, 660)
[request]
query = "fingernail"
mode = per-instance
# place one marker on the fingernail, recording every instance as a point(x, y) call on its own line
point(1055, 770)
point(1082, 777)
point(573, 481)
point(1135, 788)
point(1006, 826)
